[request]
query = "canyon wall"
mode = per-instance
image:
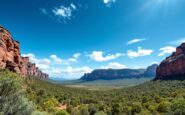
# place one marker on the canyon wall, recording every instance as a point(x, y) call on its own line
point(10, 57)
point(173, 67)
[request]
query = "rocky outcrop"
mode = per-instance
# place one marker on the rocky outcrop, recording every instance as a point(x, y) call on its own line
point(10, 57)
point(151, 71)
point(112, 74)
point(173, 67)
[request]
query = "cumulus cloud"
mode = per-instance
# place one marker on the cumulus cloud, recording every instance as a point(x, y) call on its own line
point(135, 41)
point(56, 59)
point(54, 65)
point(68, 61)
point(166, 50)
point(41, 63)
point(64, 12)
point(114, 65)
point(140, 53)
point(69, 72)
point(98, 56)
point(108, 3)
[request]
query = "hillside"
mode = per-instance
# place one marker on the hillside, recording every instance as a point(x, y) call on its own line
point(112, 74)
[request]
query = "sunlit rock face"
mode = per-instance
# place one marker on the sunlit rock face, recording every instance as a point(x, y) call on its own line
point(173, 67)
point(10, 57)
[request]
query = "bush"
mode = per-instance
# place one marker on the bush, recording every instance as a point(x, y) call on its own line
point(63, 112)
point(12, 99)
point(84, 110)
point(100, 113)
point(136, 107)
point(178, 107)
point(92, 109)
point(39, 113)
point(163, 107)
point(116, 109)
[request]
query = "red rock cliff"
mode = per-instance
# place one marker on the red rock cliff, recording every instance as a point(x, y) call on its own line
point(173, 66)
point(10, 57)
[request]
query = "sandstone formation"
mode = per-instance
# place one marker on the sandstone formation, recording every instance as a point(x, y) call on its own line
point(10, 57)
point(173, 67)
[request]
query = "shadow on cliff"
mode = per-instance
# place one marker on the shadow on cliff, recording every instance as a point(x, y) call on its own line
point(174, 77)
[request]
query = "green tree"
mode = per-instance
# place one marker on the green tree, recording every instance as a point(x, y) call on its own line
point(136, 107)
point(100, 113)
point(84, 110)
point(63, 112)
point(178, 107)
point(163, 107)
point(69, 109)
point(92, 109)
point(116, 109)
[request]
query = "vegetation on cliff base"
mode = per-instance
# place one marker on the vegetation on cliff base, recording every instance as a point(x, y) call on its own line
point(37, 97)
point(12, 97)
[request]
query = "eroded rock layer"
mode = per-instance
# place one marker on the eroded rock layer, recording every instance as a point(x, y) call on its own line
point(173, 67)
point(10, 57)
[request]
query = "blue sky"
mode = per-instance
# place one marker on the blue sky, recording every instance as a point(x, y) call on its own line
point(67, 38)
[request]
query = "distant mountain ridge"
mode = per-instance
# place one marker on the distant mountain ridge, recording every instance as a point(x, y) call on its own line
point(112, 74)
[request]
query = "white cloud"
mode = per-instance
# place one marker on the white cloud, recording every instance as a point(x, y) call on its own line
point(166, 50)
point(108, 3)
point(114, 65)
point(68, 72)
point(56, 59)
point(177, 42)
point(68, 61)
point(140, 53)
point(73, 6)
point(77, 55)
point(135, 41)
point(154, 62)
point(57, 67)
point(64, 12)
point(41, 63)
point(98, 56)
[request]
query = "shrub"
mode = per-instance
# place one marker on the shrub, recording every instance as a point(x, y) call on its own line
point(84, 110)
point(63, 112)
point(92, 109)
point(100, 113)
point(178, 107)
point(12, 99)
point(163, 107)
point(136, 107)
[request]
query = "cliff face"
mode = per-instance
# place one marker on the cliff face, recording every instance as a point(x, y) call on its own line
point(151, 70)
point(112, 74)
point(10, 57)
point(173, 67)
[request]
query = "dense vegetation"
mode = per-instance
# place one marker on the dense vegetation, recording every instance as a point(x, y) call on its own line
point(154, 97)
